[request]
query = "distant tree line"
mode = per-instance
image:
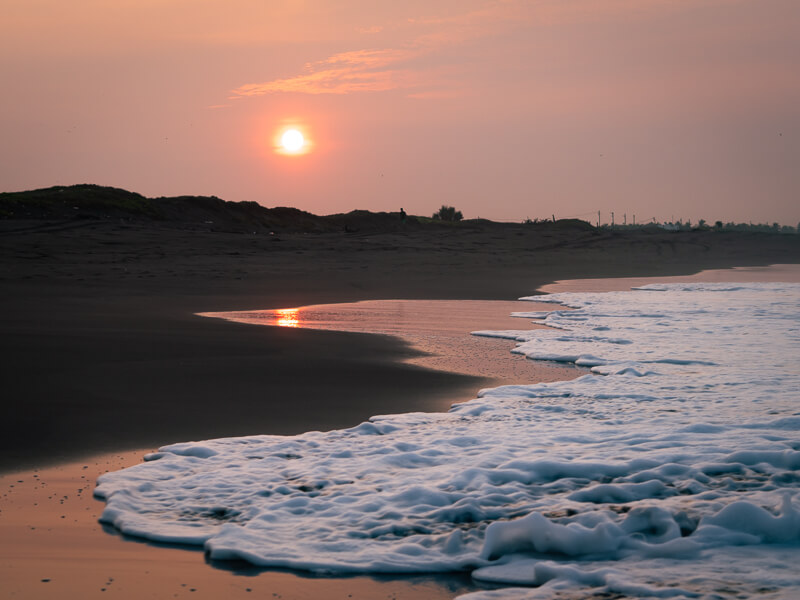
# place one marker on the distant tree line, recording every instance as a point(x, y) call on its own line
point(449, 213)
point(703, 225)
point(774, 228)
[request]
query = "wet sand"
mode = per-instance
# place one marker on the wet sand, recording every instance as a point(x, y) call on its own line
point(51, 540)
point(438, 329)
point(102, 353)
point(52, 546)
point(788, 273)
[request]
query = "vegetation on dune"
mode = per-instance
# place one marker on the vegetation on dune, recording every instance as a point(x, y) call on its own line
point(61, 201)
point(448, 213)
point(209, 213)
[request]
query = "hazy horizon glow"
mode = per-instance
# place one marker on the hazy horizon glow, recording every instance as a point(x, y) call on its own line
point(506, 109)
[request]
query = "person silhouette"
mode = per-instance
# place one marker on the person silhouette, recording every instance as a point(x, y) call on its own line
point(403, 215)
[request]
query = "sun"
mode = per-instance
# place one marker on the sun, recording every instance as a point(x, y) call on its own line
point(293, 138)
point(292, 141)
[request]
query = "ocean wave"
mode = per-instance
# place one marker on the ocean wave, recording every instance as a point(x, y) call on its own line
point(679, 449)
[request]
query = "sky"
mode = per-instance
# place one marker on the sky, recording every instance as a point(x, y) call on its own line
point(505, 109)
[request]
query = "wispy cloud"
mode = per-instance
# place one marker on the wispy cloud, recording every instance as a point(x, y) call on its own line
point(373, 29)
point(383, 69)
point(344, 73)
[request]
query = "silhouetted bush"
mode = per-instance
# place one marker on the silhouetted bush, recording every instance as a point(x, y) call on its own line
point(448, 213)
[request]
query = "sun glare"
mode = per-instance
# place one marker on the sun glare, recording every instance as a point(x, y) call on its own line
point(292, 140)
point(287, 317)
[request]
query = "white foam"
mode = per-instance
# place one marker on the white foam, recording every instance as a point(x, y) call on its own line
point(670, 471)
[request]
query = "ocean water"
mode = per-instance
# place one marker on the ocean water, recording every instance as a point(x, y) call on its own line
point(671, 470)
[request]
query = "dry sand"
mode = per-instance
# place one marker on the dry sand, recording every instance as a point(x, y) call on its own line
point(101, 352)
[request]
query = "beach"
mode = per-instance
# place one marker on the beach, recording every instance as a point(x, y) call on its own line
point(105, 357)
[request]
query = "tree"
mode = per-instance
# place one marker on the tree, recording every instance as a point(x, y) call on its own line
point(448, 213)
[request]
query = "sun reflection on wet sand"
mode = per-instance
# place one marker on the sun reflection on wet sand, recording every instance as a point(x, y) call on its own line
point(438, 332)
point(287, 317)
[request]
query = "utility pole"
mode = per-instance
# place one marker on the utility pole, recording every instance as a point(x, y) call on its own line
point(612, 218)
point(598, 218)
point(624, 218)
point(634, 220)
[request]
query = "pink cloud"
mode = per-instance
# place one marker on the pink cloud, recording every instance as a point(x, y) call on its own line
point(344, 73)
point(378, 70)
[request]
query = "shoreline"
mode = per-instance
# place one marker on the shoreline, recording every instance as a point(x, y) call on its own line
point(786, 272)
point(437, 333)
point(50, 513)
point(51, 533)
point(53, 544)
point(103, 354)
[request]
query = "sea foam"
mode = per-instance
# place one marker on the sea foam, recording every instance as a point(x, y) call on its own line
point(671, 470)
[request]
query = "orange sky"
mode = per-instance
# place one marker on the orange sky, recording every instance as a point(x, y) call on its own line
point(506, 109)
